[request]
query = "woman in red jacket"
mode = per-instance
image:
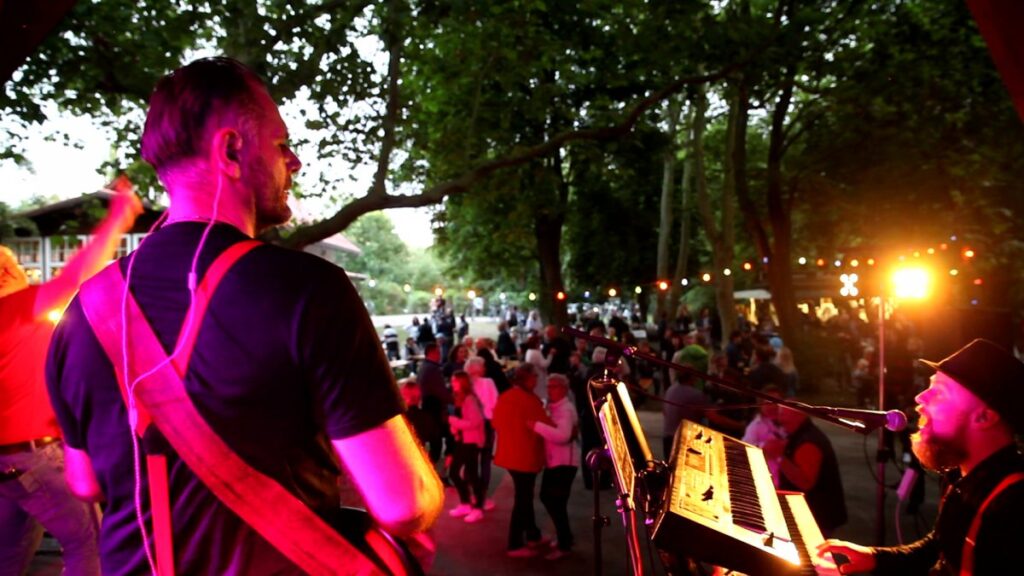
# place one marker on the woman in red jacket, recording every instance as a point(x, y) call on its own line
point(520, 450)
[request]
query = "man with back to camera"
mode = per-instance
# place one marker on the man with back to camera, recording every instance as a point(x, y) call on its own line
point(33, 494)
point(286, 364)
point(969, 415)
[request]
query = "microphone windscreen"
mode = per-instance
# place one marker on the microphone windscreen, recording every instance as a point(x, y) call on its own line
point(895, 420)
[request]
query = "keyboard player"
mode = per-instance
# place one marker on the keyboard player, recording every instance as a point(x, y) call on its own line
point(808, 464)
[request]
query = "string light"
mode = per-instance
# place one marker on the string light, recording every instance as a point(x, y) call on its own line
point(662, 285)
point(727, 272)
point(802, 260)
point(612, 292)
point(560, 295)
point(854, 263)
point(638, 290)
point(706, 277)
point(747, 266)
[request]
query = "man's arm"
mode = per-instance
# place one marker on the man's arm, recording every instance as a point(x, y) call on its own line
point(397, 482)
point(55, 294)
point(80, 476)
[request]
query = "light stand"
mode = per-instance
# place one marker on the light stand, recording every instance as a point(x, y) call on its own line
point(882, 454)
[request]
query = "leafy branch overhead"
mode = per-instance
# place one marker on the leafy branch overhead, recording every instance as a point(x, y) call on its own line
point(536, 128)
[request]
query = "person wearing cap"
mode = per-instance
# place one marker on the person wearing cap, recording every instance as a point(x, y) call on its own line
point(33, 494)
point(969, 416)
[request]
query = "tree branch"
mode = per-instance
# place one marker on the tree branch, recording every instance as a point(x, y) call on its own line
point(371, 202)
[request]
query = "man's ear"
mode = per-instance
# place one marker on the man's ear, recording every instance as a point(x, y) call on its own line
point(225, 152)
point(986, 417)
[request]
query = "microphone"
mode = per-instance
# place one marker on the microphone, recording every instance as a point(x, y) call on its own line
point(894, 420)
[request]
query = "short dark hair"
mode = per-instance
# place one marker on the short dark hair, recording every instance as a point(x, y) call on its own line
point(184, 101)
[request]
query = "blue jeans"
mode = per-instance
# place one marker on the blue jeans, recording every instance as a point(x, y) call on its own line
point(37, 498)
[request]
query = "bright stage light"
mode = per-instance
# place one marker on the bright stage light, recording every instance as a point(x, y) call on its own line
point(911, 283)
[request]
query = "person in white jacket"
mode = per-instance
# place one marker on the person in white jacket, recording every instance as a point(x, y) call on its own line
point(562, 451)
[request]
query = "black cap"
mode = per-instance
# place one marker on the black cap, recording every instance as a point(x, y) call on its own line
point(990, 373)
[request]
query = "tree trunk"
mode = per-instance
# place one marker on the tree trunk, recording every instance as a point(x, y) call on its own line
point(780, 277)
point(667, 184)
point(720, 234)
point(676, 288)
point(548, 223)
point(549, 239)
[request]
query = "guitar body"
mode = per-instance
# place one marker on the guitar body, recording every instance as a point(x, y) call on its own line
point(389, 552)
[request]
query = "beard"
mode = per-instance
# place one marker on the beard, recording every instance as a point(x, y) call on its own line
point(938, 454)
point(271, 197)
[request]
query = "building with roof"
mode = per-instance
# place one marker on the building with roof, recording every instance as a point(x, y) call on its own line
point(62, 227)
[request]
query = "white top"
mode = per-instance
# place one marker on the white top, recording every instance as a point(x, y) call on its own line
point(487, 392)
point(561, 447)
point(761, 430)
point(536, 357)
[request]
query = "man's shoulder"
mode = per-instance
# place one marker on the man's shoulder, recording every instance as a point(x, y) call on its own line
point(287, 259)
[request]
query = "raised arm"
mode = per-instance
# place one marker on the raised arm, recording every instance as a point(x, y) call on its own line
point(124, 208)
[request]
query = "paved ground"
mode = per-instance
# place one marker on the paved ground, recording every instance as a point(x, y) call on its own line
point(479, 549)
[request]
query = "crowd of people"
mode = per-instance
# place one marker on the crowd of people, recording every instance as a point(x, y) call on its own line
point(551, 431)
point(475, 405)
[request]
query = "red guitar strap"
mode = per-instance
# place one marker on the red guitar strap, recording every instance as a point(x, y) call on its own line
point(161, 399)
point(967, 557)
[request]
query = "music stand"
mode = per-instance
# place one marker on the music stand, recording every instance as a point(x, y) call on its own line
point(629, 456)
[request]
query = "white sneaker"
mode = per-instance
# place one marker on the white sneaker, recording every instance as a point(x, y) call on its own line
point(460, 510)
point(475, 515)
point(489, 504)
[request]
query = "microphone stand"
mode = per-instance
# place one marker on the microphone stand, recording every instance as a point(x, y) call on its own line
point(741, 388)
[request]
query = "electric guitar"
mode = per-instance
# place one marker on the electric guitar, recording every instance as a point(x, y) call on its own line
point(389, 552)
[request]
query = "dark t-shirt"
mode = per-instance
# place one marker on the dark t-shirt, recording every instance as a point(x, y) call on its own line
point(285, 360)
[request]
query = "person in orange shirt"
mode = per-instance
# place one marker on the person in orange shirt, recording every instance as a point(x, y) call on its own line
point(33, 494)
point(520, 450)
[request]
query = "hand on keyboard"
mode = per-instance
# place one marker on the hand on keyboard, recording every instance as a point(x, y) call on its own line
point(860, 558)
